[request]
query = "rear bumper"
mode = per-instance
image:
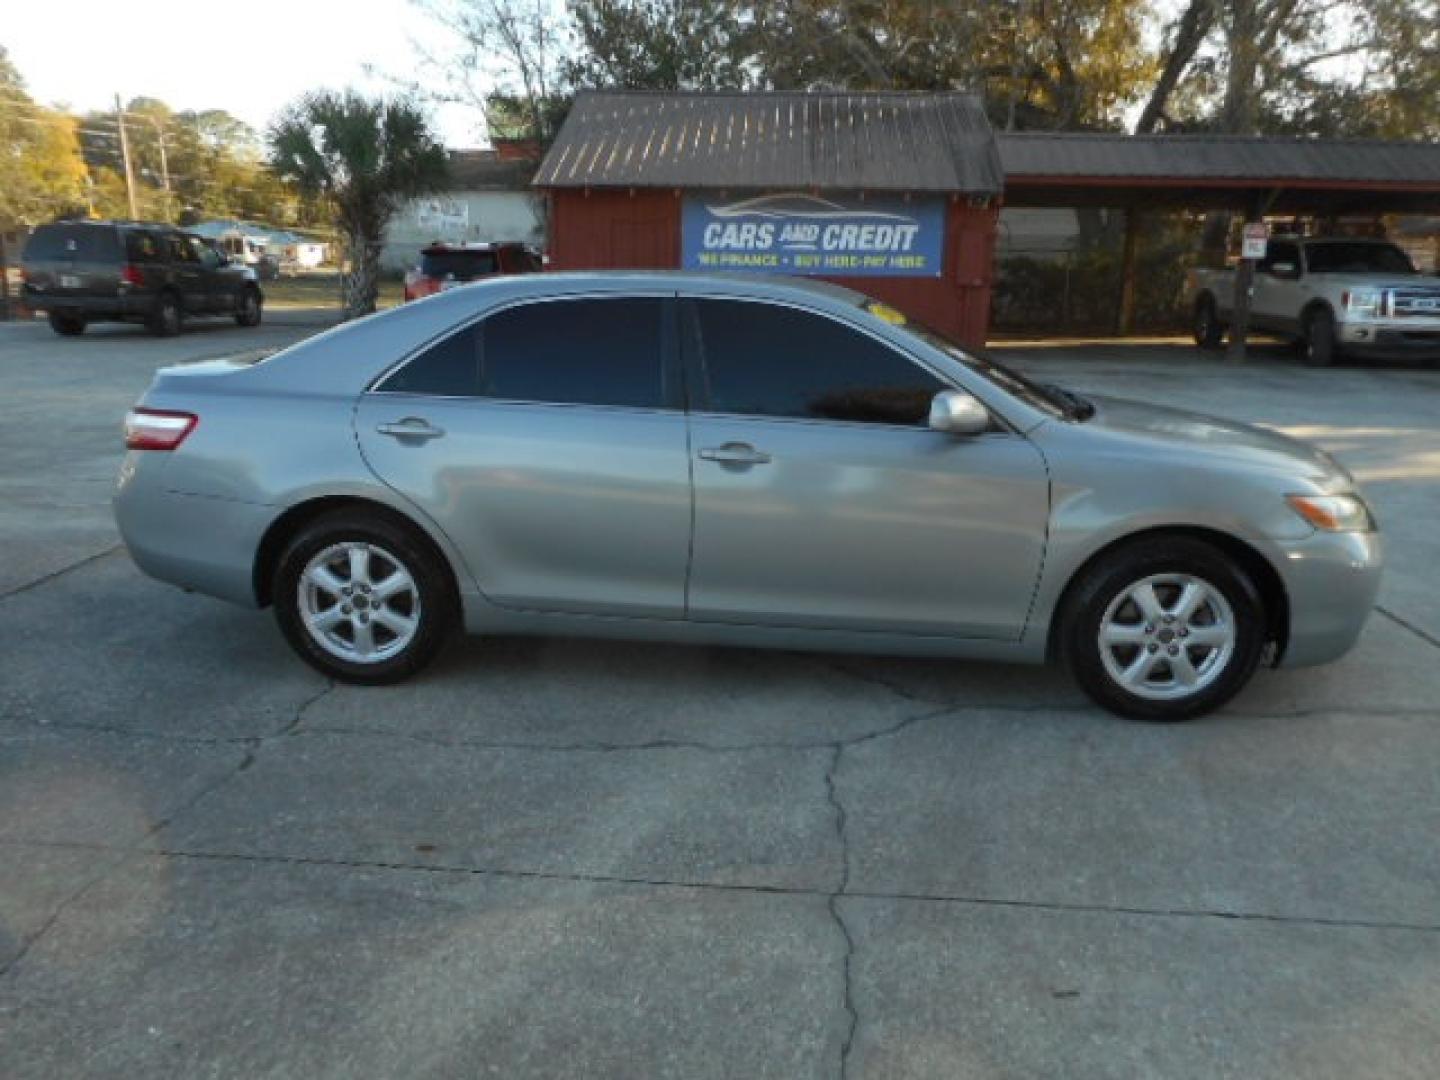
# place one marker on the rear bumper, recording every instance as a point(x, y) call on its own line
point(193, 541)
point(1332, 580)
point(91, 307)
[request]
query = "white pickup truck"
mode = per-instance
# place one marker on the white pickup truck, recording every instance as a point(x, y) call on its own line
point(1352, 297)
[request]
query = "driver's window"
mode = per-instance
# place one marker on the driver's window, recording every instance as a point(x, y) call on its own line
point(763, 359)
point(206, 255)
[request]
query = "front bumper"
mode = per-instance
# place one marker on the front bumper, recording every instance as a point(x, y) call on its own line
point(1384, 340)
point(1331, 580)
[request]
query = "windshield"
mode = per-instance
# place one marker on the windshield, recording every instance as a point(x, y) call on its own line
point(461, 265)
point(1047, 399)
point(1357, 258)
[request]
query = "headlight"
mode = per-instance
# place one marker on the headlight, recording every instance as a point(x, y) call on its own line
point(1363, 301)
point(1333, 513)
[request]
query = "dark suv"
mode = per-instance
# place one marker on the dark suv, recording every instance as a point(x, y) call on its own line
point(80, 272)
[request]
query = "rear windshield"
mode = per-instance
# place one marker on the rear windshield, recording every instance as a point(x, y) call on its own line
point(71, 242)
point(1357, 258)
point(461, 265)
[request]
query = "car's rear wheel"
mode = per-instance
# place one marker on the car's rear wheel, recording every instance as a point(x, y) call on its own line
point(1163, 629)
point(248, 311)
point(1318, 345)
point(66, 325)
point(362, 599)
point(1209, 330)
point(166, 319)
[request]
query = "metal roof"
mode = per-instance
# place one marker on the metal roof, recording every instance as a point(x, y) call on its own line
point(1062, 155)
point(833, 140)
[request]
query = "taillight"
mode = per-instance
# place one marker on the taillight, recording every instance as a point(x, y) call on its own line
point(157, 429)
point(131, 275)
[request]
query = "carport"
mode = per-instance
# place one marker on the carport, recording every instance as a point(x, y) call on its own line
point(1249, 175)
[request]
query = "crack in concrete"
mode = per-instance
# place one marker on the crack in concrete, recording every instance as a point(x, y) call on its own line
point(1424, 635)
point(832, 904)
point(851, 893)
point(45, 579)
point(252, 746)
point(291, 730)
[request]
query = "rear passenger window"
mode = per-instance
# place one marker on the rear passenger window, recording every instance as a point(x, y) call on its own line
point(449, 368)
point(574, 352)
point(142, 247)
point(583, 352)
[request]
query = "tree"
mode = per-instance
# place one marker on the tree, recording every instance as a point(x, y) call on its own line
point(655, 45)
point(365, 157)
point(41, 171)
point(506, 56)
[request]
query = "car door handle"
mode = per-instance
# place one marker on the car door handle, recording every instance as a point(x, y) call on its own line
point(412, 427)
point(734, 453)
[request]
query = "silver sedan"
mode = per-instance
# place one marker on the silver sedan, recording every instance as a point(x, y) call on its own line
point(756, 462)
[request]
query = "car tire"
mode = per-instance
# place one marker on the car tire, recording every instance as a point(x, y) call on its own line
point(1318, 348)
point(1179, 650)
point(397, 614)
point(248, 310)
point(167, 319)
point(1209, 330)
point(66, 325)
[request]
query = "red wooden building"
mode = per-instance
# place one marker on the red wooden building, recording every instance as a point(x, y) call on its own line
point(644, 180)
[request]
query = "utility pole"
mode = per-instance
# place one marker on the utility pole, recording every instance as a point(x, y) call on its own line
point(4, 279)
point(125, 156)
point(164, 164)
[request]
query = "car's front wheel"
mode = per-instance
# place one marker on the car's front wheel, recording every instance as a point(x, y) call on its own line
point(362, 599)
point(1318, 347)
point(248, 310)
point(1163, 629)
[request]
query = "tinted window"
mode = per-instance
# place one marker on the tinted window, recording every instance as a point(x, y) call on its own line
point(590, 352)
point(449, 368)
point(86, 243)
point(461, 265)
point(48, 242)
point(178, 250)
point(1357, 258)
point(204, 253)
point(767, 360)
point(142, 247)
point(1280, 251)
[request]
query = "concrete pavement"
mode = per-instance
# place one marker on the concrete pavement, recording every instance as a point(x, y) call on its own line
point(555, 857)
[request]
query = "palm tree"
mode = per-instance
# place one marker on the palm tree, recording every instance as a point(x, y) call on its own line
point(366, 157)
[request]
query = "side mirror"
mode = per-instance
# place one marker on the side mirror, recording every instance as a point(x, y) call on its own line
point(958, 413)
point(1285, 270)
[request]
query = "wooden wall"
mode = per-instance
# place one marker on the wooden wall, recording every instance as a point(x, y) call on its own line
point(640, 229)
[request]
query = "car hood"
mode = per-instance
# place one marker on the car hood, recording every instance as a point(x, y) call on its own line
point(1159, 429)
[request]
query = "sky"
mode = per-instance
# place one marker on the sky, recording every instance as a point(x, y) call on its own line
point(249, 59)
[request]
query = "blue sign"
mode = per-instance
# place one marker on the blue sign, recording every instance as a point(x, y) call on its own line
point(805, 234)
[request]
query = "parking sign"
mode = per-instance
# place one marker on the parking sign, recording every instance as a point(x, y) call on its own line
point(1256, 235)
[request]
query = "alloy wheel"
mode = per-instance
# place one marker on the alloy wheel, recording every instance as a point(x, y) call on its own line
point(1167, 636)
point(359, 602)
